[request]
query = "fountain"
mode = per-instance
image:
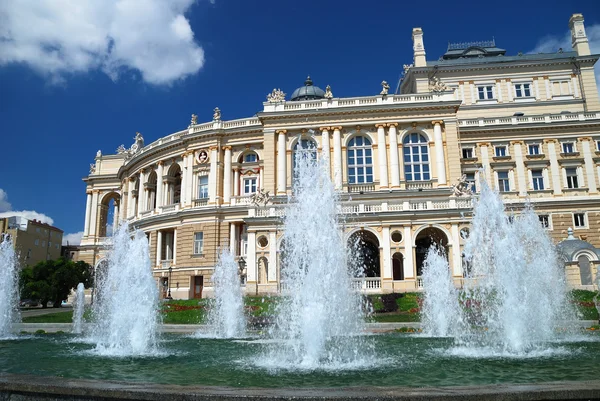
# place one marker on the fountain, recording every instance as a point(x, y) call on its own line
point(9, 289)
point(126, 309)
point(226, 314)
point(78, 307)
point(319, 318)
point(441, 312)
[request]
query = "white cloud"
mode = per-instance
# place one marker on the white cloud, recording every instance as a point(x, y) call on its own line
point(62, 37)
point(4, 203)
point(29, 214)
point(551, 44)
point(72, 238)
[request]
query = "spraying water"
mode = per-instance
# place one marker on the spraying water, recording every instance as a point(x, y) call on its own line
point(441, 312)
point(516, 296)
point(319, 318)
point(78, 306)
point(126, 310)
point(226, 316)
point(9, 289)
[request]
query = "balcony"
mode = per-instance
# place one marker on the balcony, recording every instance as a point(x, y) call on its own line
point(361, 188)
point(419, 185)
point(200, 202)
point(536, 119)
point(170, 208)
point(165, 264)
point(241, 200)
point(366, 284)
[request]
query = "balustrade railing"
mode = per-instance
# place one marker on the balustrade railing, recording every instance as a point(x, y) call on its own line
point(361, 188)
point(419, 185)
point(366, 283)
point(200, 202)
point(545, 118)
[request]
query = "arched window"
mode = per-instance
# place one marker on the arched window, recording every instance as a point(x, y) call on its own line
point(249, 177)
point(585, 273)
point(416, 158)
point(250, 157)
point(109, 215)
point(174, 185)
point(304, 149)
point(360, 160)
point(151, 191)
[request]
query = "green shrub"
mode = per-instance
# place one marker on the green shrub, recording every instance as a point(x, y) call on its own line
point(40, 331)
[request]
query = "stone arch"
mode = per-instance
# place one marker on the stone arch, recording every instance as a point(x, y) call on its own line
point(108, 217)
point(263, 270)
point(151, 190)
point(241, 156)
point(365, 255)
point(174, 176)
point(303, 136)
point(353, 134)
point(585, 268)
point(424, 238)
point(398, 266)
point(415, 130)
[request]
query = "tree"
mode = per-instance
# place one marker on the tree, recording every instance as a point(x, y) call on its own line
point(53, 280)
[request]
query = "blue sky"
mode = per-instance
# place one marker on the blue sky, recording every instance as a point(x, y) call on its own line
point(77, 76)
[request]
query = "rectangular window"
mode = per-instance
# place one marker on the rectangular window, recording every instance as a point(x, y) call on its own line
point(572, 181)
point(203, 187)
point(538, 180)
point(37, 242)
point(486, 92)
point(568, 147)
point(579, 219)
point(49, 244)
point(523, 90)
point(561, 88)
point(198, 243)
point(250, 158)
point(597, 146)
point(467, 153)
point(534, 149)
point(503, 183)
point(544, 220)
point(471, 180)
point(500, 151)
point(250, 185)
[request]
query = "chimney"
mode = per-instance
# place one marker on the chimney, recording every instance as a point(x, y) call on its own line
point(579, 39)
point(418, 47)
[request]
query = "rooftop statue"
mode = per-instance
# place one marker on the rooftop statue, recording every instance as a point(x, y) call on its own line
point(386, 88)
point(217, 114)
point(137, 145)
point(99, 153)
point(194, 120)
point(92, 168)
point(328, 94)
point(276, 96)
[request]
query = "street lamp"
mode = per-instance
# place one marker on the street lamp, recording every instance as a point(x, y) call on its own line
point(169, 291)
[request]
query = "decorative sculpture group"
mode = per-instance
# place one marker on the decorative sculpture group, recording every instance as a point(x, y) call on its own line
point(462, 187)
point(276, 96)
point(260, 198)
point(436, 85)
point(137, 145)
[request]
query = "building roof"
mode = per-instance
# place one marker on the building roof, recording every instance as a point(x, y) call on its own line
point(472, 49)
point(570, 246)
point(499, 58)
point(308, 92)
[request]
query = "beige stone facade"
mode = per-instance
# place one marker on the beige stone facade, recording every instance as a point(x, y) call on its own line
point(33, 240)
point(530, 124)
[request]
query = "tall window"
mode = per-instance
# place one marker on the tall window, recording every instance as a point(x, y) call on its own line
point(579, 220)
point(538, 180)
point(471, 180)
point(503, 181)
point(203, 187)
point(500, 151)
point(544, 220)
point(572, 181)
point(198, 243)
point(534, 149)
point(467, 153)
point(486, 92)
point(250, 185)
point(568, 147)
point(523, 90)
point(304, 149)
point(360, 160)
point(416, 158)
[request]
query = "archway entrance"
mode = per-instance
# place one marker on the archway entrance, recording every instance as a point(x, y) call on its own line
point(424, 240)
point(398, 266)
point(365, 253)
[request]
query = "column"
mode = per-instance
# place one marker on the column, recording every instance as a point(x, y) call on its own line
point(116, 216)
point(232, 239)
point(158, 247)
point(383, 166)
point(554, 167)
point(281, 165)
point(325, 147)
point(521, 176)
point(409, 268)
point(94, 213)
point(439, 152)
point(184, 178)
point(251, 260)
point(456, 253)
point(189, 186)
point(175, 247)
point(212, 175)
point(236, 182)
point(589, 164)
point(272, 274)
point(88, 207)
point(159, 186)
point(337, 157)
point(387, 265)
point(485, 162)
point(394, 163)
point(227, 175)
point(130, 205)
point(141, 196)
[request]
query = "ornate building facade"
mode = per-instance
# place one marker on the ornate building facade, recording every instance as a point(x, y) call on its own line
point(405, 165)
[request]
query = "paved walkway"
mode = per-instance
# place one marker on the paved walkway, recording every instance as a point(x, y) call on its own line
point(41, 311)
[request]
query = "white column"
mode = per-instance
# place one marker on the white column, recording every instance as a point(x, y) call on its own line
point(88, 207)
point(116, 217)
point(409, 268)
point(387, 265)
point(227, 175)
point(272, 274)
point(159, 186)
point(485, 163)
point(554, 168)
point(456, 253)
point(521, 176)
point(94, 214)
point(236, 182)
point(189, 185)
point(325, 147)
point(212, 176)
point(184, 178)
point(158, 247)
point(130, 205)
point(589, 164)
point(394, 164)
point(337, 157)
point(251, 257)
point(141, 196)
point(382, 151)
point(175, 247)
point(232, 239)
point(439, 152)
point(281, 165)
